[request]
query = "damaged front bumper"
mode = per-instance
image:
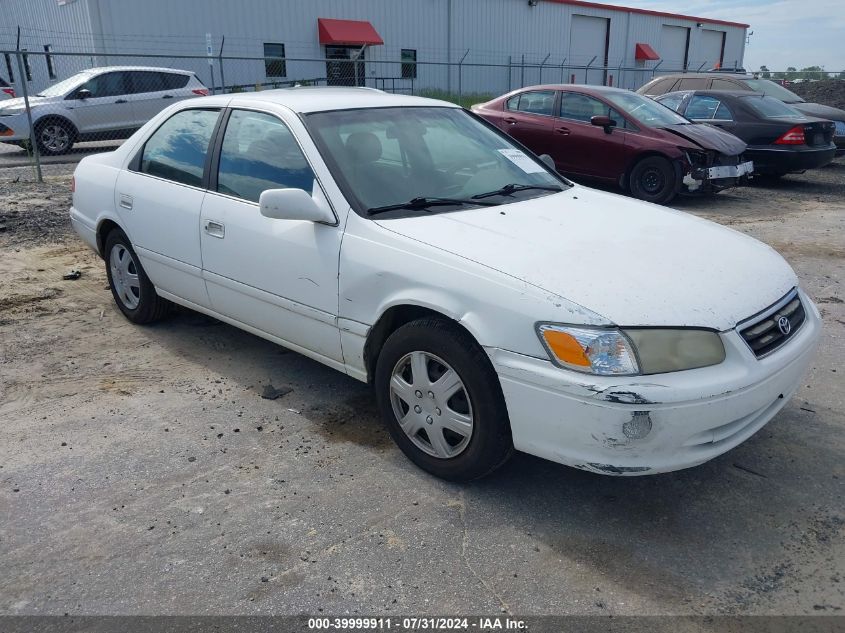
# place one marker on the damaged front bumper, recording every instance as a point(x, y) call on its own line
point(717, 177)
point(651, 424)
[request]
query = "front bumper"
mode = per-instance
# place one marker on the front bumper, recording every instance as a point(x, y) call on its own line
point(717, 177)
point(14, 128)
point(651, 424)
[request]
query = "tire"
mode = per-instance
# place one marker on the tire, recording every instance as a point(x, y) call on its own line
point(54, 136)
point(132, 290)
point(653, 179)
point(478, 439)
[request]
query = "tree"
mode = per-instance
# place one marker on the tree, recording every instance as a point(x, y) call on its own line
point(764, 72)
point(813, 73)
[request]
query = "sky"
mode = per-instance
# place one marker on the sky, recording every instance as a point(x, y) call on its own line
point(797, 33)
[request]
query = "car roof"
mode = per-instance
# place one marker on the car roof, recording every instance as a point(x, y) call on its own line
point(711, 75)
point(716, 93)
point(304, 99)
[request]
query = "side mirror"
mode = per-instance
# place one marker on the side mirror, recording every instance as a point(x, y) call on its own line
point(548, 161)
point(83, 93)
point(604, 121)
point(293, 204)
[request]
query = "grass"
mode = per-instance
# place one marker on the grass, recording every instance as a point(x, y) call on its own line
point(464, 100)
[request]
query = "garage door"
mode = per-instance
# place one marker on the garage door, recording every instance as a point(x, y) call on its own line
point(588, 39)
point(674, 41)
point(711, 47)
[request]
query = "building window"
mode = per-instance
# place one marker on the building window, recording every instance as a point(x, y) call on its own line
point(27, 69)
point(9, 67)
point(274, 62)
point(51, 69)
point(409, 63)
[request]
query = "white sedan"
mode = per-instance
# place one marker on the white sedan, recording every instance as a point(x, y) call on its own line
point(493, 304)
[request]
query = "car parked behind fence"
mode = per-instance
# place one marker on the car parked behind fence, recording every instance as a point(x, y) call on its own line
point(738, 81)
point(97, 104)
point(780, 138)
point(619, 137)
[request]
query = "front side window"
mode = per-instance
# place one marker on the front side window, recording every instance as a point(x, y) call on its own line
point(106, 85)
point(389, 156)
point(274, 60)
point(409, 63)
point(259, 152)
point(582, 108)
point(177, 150)
point(534, 102)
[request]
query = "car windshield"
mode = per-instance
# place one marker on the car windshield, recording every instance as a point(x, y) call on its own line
point(645, 110)
point(65, 86)
point(408, 157)
point(771, 108)
point(771, 89)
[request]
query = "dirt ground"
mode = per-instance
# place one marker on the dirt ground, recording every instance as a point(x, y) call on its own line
point(142, 471)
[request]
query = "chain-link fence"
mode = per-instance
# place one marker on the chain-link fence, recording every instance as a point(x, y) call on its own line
point(63, 104)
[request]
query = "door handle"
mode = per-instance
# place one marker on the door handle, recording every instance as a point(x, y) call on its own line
point(563, 130)
point(121, 101)
point(125, 201)
point(510, 121)
point(167, 97)
point(215, 229)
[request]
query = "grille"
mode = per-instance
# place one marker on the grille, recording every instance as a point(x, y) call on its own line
point(774, 326)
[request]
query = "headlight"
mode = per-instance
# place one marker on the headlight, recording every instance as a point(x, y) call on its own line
point(615, 352)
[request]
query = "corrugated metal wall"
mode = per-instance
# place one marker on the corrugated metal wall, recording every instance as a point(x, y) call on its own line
point(484, 33)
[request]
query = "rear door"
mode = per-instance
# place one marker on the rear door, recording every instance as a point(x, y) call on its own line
point(529, 117)
point(159, 198)
point(152, 91)
point(585, 149)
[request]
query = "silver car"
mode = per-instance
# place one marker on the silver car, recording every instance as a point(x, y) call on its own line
point(97, 104)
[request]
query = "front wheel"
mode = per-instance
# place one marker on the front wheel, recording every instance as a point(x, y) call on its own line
point(132, 290)
point(653, 179)
point(54, 137)
point(442, 402)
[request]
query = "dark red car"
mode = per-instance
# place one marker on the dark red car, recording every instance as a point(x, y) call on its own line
point(617, 136)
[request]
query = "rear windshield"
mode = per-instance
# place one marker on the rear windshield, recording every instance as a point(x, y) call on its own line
point(772, 89)
point(771, 108)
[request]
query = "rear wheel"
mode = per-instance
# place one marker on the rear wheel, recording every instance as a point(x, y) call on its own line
point(132, 290)
point(54, 137)
point(653, 179)
point(441, 400)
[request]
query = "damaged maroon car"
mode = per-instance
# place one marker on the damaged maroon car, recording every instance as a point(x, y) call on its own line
point(617, 136)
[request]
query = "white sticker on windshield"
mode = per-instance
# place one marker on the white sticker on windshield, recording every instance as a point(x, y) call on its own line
point(518, 158)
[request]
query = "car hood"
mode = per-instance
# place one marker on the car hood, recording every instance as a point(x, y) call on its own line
point(19, 102)
point(708, 137)
point(821, 111)
point(631, 262)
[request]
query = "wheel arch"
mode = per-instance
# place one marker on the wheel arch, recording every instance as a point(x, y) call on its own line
point(104, 227)
point(625, 179)
point(60, 118)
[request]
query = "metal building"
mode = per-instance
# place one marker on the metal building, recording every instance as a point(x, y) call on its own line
point(482, 46)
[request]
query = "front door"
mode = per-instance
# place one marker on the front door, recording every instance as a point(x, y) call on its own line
point(345, 66)
point(278, 276)
point(108, 107)
point(583, 148)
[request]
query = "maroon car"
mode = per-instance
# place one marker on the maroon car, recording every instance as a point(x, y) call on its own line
point(617, 136)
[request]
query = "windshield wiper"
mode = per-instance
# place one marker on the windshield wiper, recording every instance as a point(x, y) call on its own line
point(424, 202)
point(509, 189)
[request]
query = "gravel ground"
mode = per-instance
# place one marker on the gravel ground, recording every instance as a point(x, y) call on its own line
point(142, 471)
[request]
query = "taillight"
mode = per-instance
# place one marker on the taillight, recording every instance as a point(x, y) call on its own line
point(795, 136)
point(203, 92)
point(9, 91)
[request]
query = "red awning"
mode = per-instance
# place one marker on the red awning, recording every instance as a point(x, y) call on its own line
point(355, 32)
point(644, 51)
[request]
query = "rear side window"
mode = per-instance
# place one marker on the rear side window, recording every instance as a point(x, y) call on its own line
point(259, 152)
point(672, 101)
point(172, 81)
point(724, 84)
point(706, 107)
point(146, 81)
point(535, 102)
point(177, 150)
point(661, 86)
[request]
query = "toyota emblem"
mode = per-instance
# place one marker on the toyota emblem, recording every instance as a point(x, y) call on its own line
point(784, 325)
